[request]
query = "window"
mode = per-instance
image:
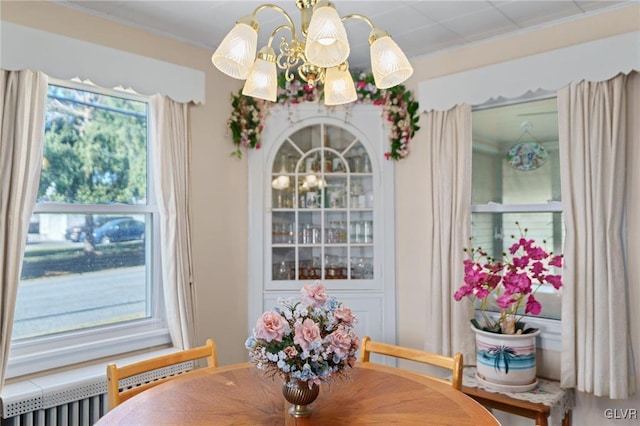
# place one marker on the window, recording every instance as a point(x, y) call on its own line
point(89, 269)
point(516, 178)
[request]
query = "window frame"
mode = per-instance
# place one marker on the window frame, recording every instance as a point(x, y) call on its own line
point(550, 338)
point(33, 355)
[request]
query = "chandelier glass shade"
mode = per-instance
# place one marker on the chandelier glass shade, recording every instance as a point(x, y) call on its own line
point(236, 53)
point(339, 88)
point(389, 65)
point(327, 44)
point(318, 56)
point(264, 76)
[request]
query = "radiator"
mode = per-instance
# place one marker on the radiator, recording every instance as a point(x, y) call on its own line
point(65, 400)
point(83, 412)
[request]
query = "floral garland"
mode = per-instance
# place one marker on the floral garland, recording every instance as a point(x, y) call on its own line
point(399, 106)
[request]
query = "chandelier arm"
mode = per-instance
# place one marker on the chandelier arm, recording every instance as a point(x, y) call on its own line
point(360, 17)
point(283, 12)
point(281, 27)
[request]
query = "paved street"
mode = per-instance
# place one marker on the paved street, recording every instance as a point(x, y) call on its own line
point(49, 305)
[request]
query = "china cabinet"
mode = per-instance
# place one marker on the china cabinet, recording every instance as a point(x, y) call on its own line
point(322, 208)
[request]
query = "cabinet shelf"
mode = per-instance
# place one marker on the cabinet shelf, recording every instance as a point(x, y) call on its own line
point(322, 216)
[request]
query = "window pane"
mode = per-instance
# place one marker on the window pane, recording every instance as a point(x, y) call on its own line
point(95, 149)
point(87, 261)
point(68, 283)
point(515, 154)
point(516, 164)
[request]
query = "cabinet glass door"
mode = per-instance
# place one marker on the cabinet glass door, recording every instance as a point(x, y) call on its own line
point(322, 198)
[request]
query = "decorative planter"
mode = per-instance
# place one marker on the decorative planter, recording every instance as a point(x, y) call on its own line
point(506, 361)
point(300, 395)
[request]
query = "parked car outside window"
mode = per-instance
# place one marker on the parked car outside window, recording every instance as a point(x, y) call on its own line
point(78, 232)
point(119, 230)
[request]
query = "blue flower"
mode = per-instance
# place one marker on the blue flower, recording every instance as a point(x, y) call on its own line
point(250, 343)
point(332, 304)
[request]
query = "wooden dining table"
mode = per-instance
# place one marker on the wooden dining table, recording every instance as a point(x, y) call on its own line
point(241, 394)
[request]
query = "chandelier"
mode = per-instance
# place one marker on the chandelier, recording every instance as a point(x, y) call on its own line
point(318, 57)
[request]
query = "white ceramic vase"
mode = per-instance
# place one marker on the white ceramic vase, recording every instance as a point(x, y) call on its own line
point(506, 361)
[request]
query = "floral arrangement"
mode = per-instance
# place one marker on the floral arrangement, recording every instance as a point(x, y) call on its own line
point(245, 122)
point(399, 108)
point(310, 339)
point(509, 283)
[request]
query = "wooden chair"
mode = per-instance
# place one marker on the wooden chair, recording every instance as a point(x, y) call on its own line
point(451, 363)
point(115, 374)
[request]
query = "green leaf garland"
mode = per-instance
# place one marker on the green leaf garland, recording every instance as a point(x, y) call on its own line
point(399, 107)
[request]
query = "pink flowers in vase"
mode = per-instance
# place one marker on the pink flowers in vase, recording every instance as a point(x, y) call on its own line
point(310, 339)
point(510, 283)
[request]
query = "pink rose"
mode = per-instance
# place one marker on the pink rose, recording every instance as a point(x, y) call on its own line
point(291, 352)
point(344, 314)
point(314, 296)
point(271, 326)
point(339, 342)
point(306, 333)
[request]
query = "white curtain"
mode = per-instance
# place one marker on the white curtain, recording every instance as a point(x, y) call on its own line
point(449, 144)
point(596, 348)
point(23, 96)
point(171, 173)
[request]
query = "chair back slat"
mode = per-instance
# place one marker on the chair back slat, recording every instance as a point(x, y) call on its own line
point(116, 396)
point(450, 363)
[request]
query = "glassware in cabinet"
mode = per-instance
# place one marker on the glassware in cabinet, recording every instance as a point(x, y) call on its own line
point(283, 228)
point(322, 199)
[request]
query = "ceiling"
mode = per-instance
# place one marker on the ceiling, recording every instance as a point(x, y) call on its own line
point(419, 27)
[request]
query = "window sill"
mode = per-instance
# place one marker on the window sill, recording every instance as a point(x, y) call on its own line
point(550, 337)
point(28, 358)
